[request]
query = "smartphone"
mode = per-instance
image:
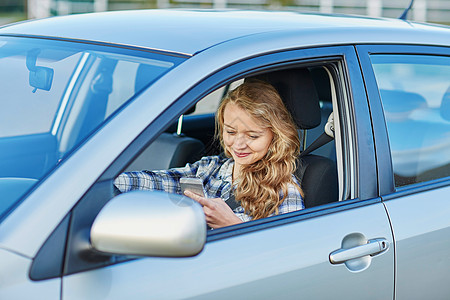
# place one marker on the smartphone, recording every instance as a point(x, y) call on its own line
point(192, 184)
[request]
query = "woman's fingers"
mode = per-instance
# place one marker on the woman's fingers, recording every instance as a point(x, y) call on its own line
point(217, 212)
point(202, 200)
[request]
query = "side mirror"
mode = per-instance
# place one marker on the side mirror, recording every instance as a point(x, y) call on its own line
point(150, 224)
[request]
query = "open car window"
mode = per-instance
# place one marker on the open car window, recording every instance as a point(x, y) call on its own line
point(192, 137)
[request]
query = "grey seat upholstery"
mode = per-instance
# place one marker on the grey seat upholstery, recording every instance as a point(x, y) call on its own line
point(317, 174)
point(168, 151)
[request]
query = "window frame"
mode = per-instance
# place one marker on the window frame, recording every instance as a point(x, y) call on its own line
point(349, 81)
point(383, 152)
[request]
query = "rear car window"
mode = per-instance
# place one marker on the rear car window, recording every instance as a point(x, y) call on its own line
point(415, 93)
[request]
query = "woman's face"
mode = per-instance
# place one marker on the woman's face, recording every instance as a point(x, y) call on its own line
point(243, 136)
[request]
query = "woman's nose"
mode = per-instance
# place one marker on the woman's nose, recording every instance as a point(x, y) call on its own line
point(240, 142)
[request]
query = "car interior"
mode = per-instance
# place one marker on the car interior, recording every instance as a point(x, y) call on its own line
point(307, 94)
point(406, 112)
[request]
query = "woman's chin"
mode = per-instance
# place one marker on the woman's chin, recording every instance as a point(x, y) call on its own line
point(244, 160)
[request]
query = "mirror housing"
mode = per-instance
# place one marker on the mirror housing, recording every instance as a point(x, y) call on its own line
point(148, 223)
point(40, 77)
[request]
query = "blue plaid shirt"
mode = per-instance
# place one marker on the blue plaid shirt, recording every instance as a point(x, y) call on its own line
point(216, 173)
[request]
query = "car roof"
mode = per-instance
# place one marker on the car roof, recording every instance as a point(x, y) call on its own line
point(192, 31)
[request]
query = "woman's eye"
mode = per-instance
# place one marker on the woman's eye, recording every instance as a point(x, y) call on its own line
point(231, 132)
point(254, 137)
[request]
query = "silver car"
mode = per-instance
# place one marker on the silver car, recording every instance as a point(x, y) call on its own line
point(86, 97)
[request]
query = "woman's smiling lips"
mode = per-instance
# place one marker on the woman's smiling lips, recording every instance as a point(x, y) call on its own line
point(241, 154)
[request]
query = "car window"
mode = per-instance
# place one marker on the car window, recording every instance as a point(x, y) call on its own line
point(25, 109)
point(54, 95)
point(173, 150)
point(210, 102)
point(415, 93)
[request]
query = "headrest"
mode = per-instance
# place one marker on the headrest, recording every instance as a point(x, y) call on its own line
point(398, 105)
point(445, 105)
point(298, 92)
point(322, 83)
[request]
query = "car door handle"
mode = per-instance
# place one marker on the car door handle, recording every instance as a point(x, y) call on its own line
point(372, 248)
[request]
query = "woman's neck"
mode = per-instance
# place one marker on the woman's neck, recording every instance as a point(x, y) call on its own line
point(236, 170)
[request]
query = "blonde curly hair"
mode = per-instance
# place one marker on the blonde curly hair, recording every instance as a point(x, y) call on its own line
point(259, 184)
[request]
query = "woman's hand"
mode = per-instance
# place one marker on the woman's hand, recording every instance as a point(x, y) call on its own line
point(217, 212)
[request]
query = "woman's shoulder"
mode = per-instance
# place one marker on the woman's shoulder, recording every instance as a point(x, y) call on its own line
point(211, 162)
point(210, 165)
point(214, 159)
point(294, 189)
point(293, 200)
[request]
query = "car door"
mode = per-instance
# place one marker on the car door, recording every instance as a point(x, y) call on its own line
point(413, 125)
point(339, 250)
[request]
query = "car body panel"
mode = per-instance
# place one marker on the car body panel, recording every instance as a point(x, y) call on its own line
point(273, 263)
point(421, 229)
point(160, 34)
point(15, 283)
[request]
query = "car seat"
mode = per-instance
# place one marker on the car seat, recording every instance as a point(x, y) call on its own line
point(317, 174)
point(169, 150)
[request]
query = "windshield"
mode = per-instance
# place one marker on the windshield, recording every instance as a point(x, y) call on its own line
point(54, 94)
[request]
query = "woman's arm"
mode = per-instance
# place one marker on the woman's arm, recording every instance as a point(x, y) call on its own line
point(217, 212)
point(166, 180)
point(163, 180)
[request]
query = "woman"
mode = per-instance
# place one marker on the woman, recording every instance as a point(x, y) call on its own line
point(261, 144)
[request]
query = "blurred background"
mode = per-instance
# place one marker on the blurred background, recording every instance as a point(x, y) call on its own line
point(434, 11)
